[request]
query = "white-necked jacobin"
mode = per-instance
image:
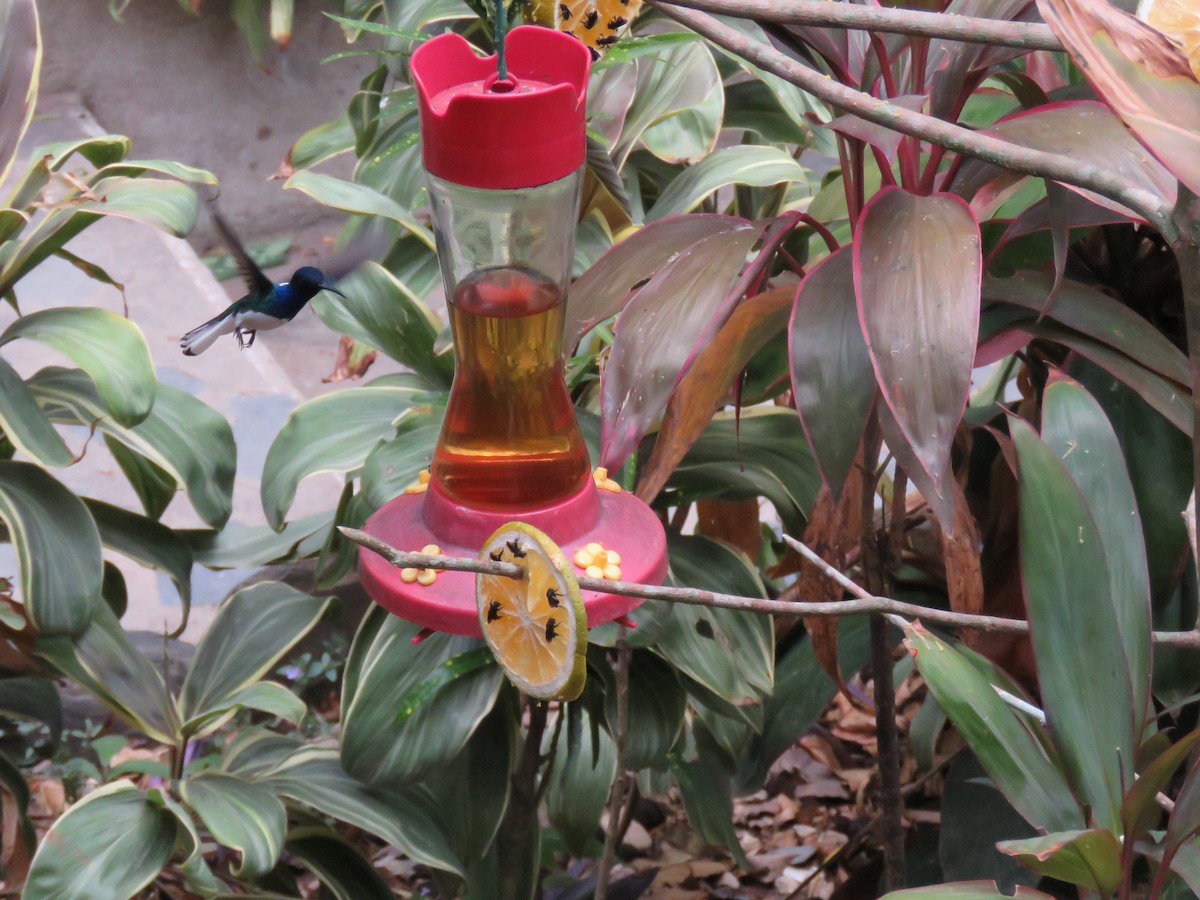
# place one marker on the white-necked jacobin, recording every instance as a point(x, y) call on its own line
point(266, 306)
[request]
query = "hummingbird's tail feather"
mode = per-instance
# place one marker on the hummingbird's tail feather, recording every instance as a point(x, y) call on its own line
point(201, 338)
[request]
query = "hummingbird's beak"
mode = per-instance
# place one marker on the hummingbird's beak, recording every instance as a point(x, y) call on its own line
point(330, 287)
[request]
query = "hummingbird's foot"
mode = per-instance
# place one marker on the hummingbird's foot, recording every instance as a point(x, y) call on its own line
point(250, 343)
point(237, 336)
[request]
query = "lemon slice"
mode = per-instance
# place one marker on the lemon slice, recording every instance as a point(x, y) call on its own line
point(536, 626)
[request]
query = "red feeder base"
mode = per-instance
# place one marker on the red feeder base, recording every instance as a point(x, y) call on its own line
point(618, 521)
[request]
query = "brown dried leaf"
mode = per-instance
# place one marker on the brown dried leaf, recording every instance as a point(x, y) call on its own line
point(353, 360)
point(834, 527)
point(733, 521)
point(960, 550)
point(705, 387)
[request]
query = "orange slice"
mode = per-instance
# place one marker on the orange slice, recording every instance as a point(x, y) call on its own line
point(598, 23)
point(535, 626)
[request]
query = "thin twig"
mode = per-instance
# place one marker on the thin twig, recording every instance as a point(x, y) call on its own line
point(616, 797)
point(897, 611)
point(888, 20)
point(1013, 157)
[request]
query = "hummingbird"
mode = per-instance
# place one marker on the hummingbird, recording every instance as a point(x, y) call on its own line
point(266, 306)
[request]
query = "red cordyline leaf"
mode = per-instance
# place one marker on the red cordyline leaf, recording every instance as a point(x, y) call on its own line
point(668, 321)
point(1082, 129)
point(830, 367)
point(1137, 71)
point(917, 275)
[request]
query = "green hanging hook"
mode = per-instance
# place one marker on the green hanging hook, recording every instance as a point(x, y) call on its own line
point(501, 31)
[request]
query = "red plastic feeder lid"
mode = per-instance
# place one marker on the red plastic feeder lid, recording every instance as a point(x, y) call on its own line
point(618, 521)
point(521, 132)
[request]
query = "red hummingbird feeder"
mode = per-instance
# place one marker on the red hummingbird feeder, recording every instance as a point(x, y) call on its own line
point(504, 153)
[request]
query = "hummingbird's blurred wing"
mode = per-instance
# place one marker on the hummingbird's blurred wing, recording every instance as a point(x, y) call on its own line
point(257, 284)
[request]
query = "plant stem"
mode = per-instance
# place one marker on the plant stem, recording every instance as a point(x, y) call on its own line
point(1013, 157)
point(866, 602)
point(616, 797)
point(1186, 248)
point(888, 20)
point(517, 837)
point(888, 756)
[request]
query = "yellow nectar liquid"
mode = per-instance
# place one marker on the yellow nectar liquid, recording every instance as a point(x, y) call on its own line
point(509, 437)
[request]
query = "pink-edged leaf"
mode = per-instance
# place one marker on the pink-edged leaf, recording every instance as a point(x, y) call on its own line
point(1091, 858)
point(1098, 316)
point(604, 289)
point(887, 140)
point(917, 273)
point(1076, 210)
point(936, 496)
point(20, 56)
point(1185, 820)
point(998, 346)
point(1040, 65)
point(949, 63)
point(1144, 77)
point(1139, 810)
point(660, 330)
point(831, 369)
point(1082, 129)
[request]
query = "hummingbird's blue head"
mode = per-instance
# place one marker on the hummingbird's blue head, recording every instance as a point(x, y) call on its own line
point(309, 280)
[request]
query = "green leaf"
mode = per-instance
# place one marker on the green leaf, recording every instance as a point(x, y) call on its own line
point(357, 199)
point(112, 843)
point(656, 709)
point(196, 873)
point(1090, 858)
point(581, 781)
point(1139, 810)
point(109, 348)
point(341, 868)
point(756, 165)
point(975, 817)
point(802, 691)
point(406, 820)
point(472, 790)
point(678, 79)
point(706, 791)
point(331, 433)
point(104, 660)
point(453, 668)
point(239, 814)
point(1076, 429)
point(383, 669)
point(731, 653)
point(20, 64)
point(763, 455)
point(394, 464)
point(182, 437)
point(1082, 669)
point(147, 542)
point(1010, 753)
point(135, 167)
point(321, 143)
point(964, 890)
point(24, 423)
point(251, 631)
point(154, 485)
point(58, 548)
point(630, 48)
point(265, 696)
point(384, 313)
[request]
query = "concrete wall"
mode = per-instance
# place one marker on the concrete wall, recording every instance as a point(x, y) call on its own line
point(186, 88)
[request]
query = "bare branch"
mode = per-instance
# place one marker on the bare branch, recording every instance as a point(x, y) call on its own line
point(929, 128)
point(890, 20)
point(696, 597)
